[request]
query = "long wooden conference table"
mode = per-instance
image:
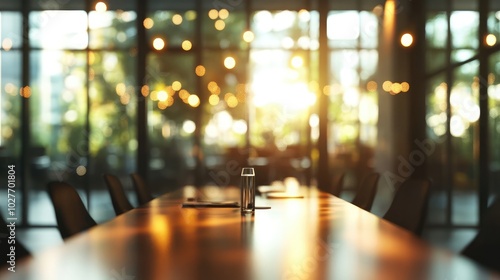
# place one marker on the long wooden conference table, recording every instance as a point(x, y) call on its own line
point(318, 236)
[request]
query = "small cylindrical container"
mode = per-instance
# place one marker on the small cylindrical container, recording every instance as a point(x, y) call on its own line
point(247, 190)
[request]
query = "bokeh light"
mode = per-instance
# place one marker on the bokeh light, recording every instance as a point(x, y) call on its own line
point(223, 14)
point(200, 70)
point(187, 45)
point(491, 40)
point(220, 25)
point(406, 40)
point(101, 7)
point(148, 23)
point(229, 62)
point(248, 36)
point(177, 19)
point(158, 44)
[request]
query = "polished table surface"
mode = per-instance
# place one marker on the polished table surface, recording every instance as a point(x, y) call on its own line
point(315, 237)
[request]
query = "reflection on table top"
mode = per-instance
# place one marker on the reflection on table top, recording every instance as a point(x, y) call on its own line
point(316, 237)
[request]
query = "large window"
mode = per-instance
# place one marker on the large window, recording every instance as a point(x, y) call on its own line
point(218, 84)
point(10, 100)
point(453, 113)
point(353, 91)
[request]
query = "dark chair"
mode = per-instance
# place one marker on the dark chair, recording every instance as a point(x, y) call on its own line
point(141, 189)
point(365, 194)
point(337, 184)
point(120, 201)
point(71, 215)
point(485, 247)
point(409, 205)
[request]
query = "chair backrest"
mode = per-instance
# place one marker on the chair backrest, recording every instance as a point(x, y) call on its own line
point(365, 194)
point(121, 204)
point(485, 247)
point(71, 215)
point(409, 205)
point(337, 184)
point(141, 189)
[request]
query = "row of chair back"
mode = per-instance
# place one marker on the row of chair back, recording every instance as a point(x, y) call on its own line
point(71, 215)
point(409, 205)
point(409, 210)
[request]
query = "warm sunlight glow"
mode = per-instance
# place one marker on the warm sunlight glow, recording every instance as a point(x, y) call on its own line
point(158, 44)
point(187, 45)
point(293, 96)
point(406, 40)
point(297, 62)
point(101, 7)
point(229, 62)
point(148, 23)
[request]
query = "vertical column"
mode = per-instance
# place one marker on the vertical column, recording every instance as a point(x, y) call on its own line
point(323, 174)
point(25, 115)
point(197, 149)
point(142, 114)
point(484, 137)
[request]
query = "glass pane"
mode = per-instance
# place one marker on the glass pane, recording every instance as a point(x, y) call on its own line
point(369, 64)
point(436, 30)
point(494, 26)
point(113, 125)
point(464, 29)
point(281, 101)
point(223, 29)
point(112, 29)
point(436, 59)
point(464, 128)
point(10, 126)
point(173, 27)
point(58, 112)
point(461, 55)
point(369, 30)
point(11, 34)
point(173, 101)
point(435, 148)
point(285, 29)
point(494, 121)
point(58, 30)
point(343, 29)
